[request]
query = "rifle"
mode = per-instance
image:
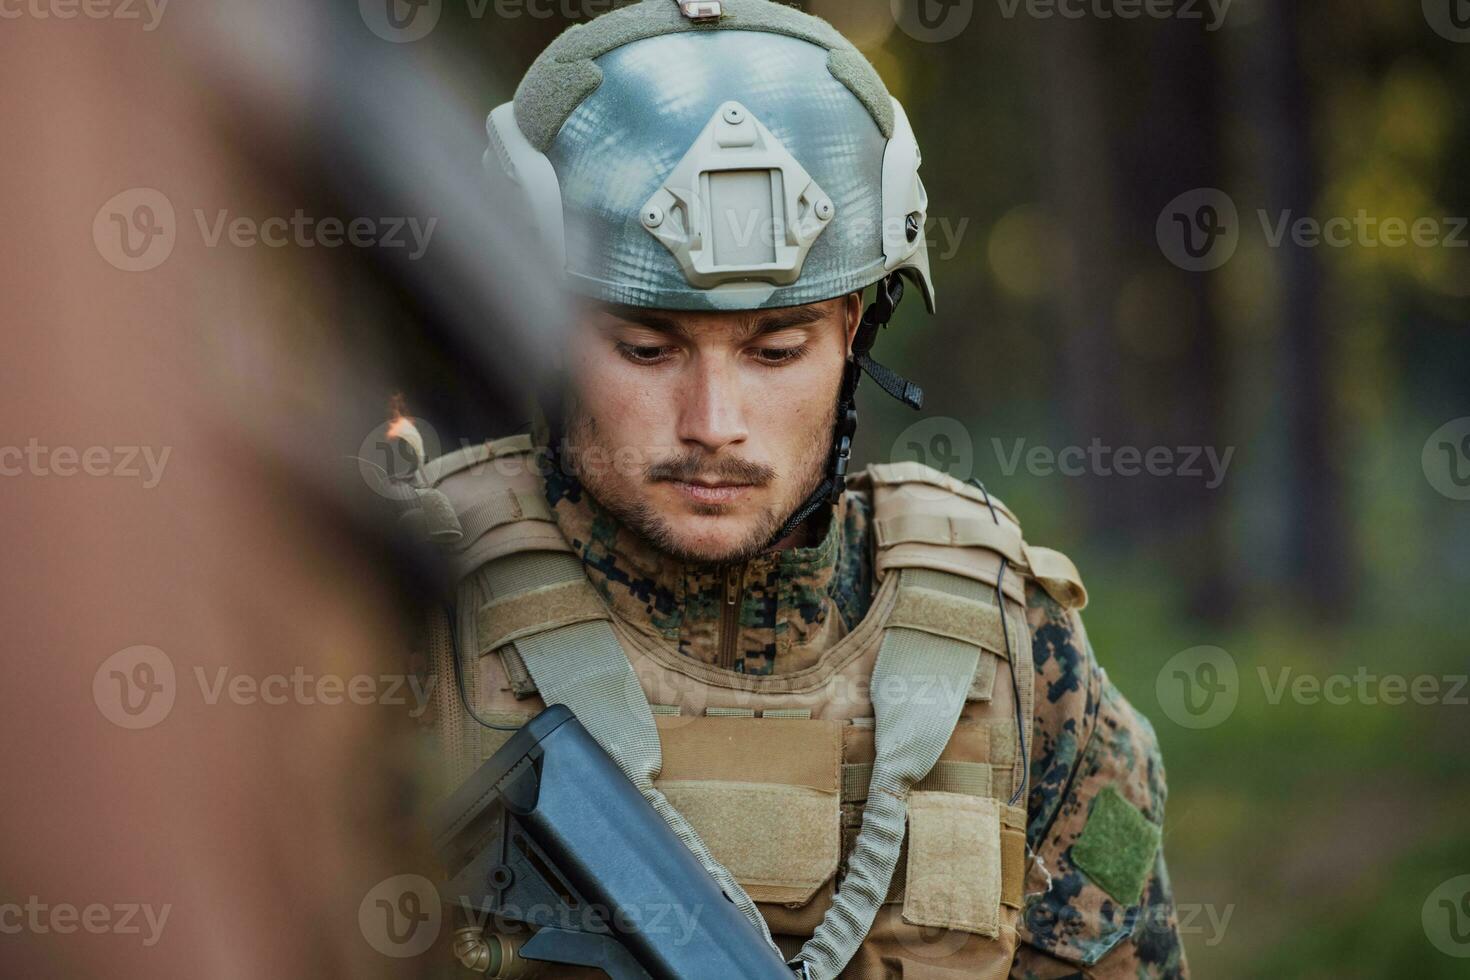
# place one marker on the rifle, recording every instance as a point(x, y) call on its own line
point(550, 835)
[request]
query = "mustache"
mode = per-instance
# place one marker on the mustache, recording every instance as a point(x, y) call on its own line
point(701, 467)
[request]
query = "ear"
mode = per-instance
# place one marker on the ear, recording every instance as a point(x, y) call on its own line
point(853, 311)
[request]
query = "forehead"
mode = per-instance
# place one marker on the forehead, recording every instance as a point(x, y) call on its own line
point(724, 325)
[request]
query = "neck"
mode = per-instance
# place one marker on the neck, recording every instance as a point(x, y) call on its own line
point(775, 613)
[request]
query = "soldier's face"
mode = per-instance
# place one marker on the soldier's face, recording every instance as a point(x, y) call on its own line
point(703, 432)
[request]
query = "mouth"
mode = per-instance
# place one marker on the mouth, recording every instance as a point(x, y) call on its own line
point(710, 493)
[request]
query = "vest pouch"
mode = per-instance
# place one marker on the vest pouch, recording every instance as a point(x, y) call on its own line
point(956, 916)
point(764, 795)
point(953, 878)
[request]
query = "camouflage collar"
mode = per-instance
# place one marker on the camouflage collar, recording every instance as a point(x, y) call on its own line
point(774, 614)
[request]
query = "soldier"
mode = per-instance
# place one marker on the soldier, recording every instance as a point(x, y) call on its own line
point(879, 721)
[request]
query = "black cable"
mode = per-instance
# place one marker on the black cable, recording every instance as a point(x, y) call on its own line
point(464, 694)
point(1005, 627)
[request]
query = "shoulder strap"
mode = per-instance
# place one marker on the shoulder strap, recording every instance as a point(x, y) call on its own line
point(951, 550)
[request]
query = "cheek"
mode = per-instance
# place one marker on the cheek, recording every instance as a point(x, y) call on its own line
point(799, 402)
point(629, 403)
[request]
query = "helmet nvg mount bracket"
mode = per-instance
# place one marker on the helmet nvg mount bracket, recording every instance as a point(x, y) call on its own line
point(738, 169)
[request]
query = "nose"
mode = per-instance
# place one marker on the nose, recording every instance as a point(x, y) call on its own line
point(711, 405)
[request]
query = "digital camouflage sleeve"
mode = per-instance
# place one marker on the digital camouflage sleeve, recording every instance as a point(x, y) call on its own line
point(1099, 903)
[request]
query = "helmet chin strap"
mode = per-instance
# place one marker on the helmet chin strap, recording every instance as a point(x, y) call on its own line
point(829, 491)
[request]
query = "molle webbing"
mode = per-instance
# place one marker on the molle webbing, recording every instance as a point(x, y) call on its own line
point(957, 532)
point(969, 778)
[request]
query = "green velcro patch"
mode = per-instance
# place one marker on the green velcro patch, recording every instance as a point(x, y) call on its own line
point(1117, 847)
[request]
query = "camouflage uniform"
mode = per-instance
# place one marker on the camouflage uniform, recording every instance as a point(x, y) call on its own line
point(1098, 785)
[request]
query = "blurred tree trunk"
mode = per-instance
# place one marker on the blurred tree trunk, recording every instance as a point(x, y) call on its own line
point(1178, 147)
point(1317, 549)
point(1107, 194)
point(1080, 187)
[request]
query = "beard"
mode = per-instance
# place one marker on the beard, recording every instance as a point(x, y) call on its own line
point(635, 512)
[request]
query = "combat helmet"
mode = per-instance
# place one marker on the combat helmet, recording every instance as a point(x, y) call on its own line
point(722, 155)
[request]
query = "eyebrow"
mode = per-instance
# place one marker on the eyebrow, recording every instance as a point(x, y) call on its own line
point(753, 325)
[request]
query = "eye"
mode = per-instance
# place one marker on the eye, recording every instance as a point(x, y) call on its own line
point(641, 354)
point(778, 355)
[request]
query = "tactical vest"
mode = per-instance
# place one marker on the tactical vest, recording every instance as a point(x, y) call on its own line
point(774, 772)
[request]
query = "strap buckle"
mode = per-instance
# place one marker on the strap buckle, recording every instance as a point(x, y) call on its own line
point(701, 9)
